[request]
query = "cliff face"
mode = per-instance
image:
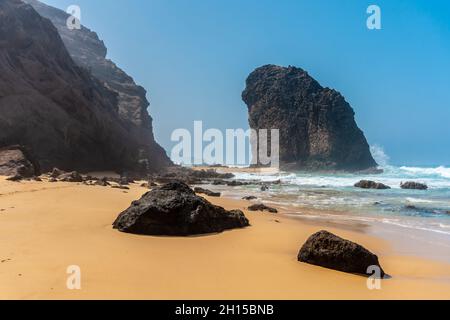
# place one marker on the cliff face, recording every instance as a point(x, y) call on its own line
point(59, 110)
point(317, 126)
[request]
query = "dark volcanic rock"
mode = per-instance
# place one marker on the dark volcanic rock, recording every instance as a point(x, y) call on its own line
point(190, 176)
point(57, 109)
point(73, 176)
point(121, 187)
point(249, 198)
point(175, 210)
point(206, 192)
point(330, 251)
point(262, 207)
point(103, 182)
point(317, 126)
point(366, 184)
point(16, 160)
point(413, 186)
point(56, 173)
point(15, 178)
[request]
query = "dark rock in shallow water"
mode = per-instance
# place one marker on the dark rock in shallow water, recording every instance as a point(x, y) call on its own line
point(366, 184)
point(16, 160)
point(330, 251)
point(264, 188)
point(249, 198)
point(175, 210)
point(317, 126)
point(235, 183)
point(411, 185)
point(207, 192)
point(262, 207)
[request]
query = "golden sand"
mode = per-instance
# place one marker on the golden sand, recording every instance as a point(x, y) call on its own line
point(46, 227)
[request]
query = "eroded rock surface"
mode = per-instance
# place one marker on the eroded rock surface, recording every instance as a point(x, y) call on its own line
point(175, 210)
point(317, 126)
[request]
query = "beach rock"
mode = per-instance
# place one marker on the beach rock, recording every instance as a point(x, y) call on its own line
point(249, 198)
point(262, 207)
point(330, 251)
point(317, 125)
point(16, 160)
point(124, 181)
point(264, 188)
point(175, 210)
point(15, 178)
point(103, 182)
point(149, 185)
point(411, 185)
point(366, 184)
point(236, 183)
point(73, 176)
point(189, 176)
point(122, 187)
point(55, 173)
point(207, 192)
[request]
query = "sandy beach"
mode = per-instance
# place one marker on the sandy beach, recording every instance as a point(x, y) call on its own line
point(46, 227)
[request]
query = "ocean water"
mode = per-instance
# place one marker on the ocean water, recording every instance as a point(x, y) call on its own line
point(427, 211)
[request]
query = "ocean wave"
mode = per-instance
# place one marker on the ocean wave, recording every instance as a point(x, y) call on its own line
point(417, 200)
point(420, 172)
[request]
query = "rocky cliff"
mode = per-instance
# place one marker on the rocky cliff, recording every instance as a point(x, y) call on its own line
point(74, 111)
point(317, 126)
point(57, 109)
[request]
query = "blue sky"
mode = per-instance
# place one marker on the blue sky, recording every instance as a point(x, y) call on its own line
point(193, 58)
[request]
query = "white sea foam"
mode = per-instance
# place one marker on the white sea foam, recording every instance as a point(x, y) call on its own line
point(417, 200)
point(337, 192)
point(439, 171)
point(379, 155)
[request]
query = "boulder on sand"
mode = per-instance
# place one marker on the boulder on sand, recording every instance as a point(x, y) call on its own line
point(330, 251)
point(175, 210)
point(207, 192)
point(17, 161)
point(366, 184)
point(73, 176)
point(411, 185)
point(262, 207)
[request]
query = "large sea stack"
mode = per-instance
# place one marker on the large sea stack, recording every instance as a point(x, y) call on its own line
point(317, 126)
point(67, 112)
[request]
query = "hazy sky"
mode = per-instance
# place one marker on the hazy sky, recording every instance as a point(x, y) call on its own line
point(193, 58)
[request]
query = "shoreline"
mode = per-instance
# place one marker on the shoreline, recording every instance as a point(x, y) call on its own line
point(46, 227)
